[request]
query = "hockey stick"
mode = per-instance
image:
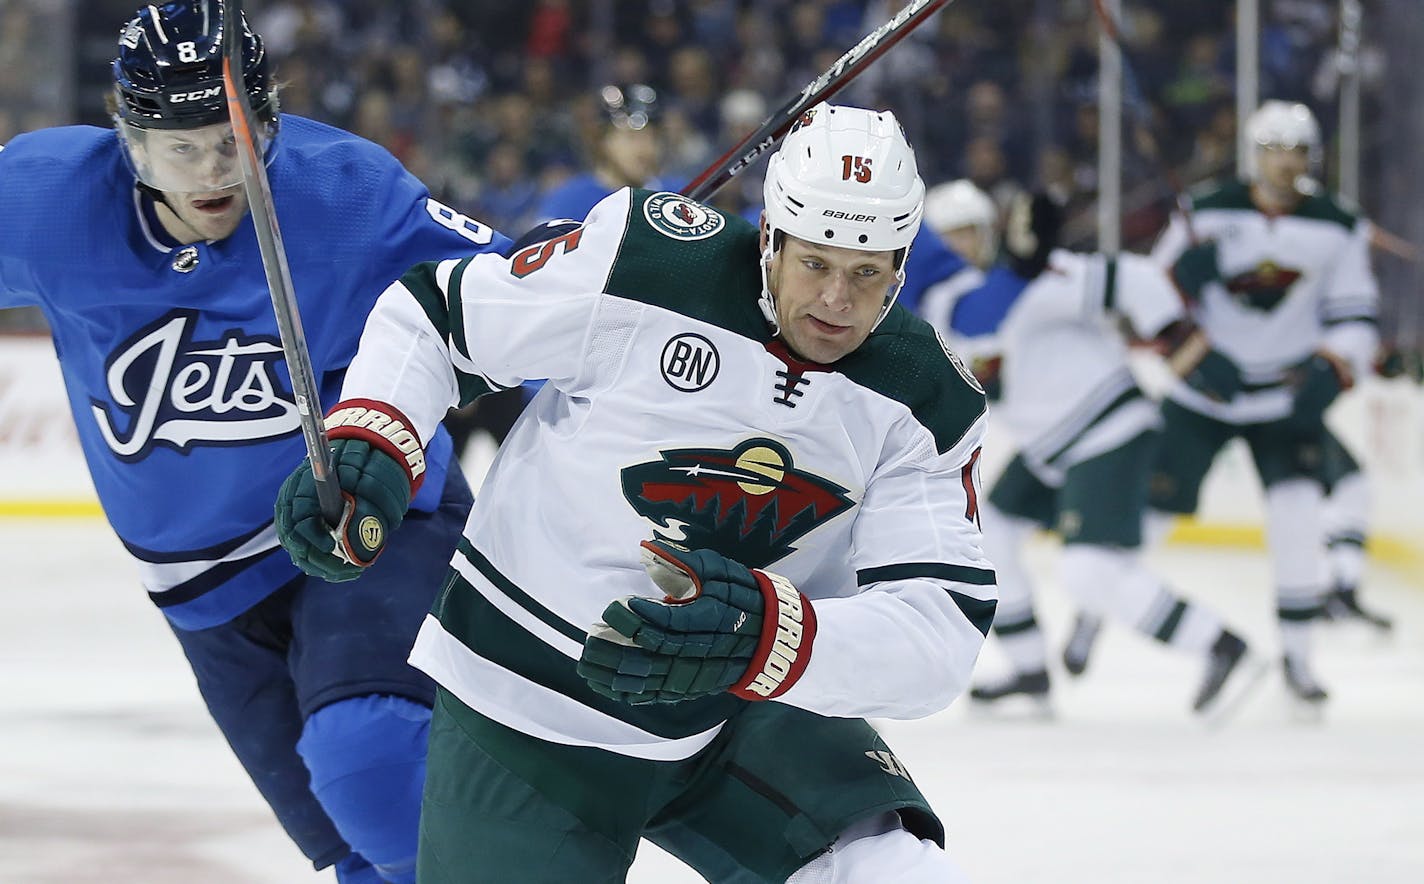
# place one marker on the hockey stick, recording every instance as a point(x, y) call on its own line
point(1153, 154)
point(1191, 351)
point(774, 128)
point(274, 263)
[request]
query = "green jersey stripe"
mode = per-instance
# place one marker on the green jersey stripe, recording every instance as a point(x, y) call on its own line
point(979, 612)
point(420, 282)
point(456, 308)
point(517, 595)
point(483, 628)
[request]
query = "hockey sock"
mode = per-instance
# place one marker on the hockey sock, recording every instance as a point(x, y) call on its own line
point(880, 849)
point(1023, 645)
point(1295, 539)
point(1186, 626)
point(1345, 517)
point(1295, 640)
point(1156, 525)
point(367, 761)
point(1014, 623)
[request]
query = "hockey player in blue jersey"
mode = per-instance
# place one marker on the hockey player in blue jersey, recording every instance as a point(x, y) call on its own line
point(137, 245)
point(626, 153)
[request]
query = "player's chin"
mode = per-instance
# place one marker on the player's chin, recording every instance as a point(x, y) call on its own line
point(217, 226)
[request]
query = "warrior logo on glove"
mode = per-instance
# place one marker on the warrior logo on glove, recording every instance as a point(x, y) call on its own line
point(748, 503)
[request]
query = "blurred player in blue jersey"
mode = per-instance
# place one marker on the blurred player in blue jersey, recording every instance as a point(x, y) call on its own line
point(137, 244)
point(626, 152)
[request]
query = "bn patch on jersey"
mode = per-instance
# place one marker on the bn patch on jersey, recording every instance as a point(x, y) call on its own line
point(678, 217)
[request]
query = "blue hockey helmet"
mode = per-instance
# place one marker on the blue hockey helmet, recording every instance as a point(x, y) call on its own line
point(168, 74)
point(170, 106)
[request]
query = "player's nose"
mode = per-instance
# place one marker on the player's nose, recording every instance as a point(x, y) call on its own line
point(835, 293)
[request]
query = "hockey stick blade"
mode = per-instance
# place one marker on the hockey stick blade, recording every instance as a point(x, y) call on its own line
point(766, 137)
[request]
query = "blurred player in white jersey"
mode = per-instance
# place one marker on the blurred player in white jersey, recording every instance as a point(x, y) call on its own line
point(1085, 431)
point(1278, 275)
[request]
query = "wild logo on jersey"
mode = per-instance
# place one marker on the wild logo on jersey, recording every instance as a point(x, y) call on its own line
point(167, 389)
point(748, 503)
point(1263, 286)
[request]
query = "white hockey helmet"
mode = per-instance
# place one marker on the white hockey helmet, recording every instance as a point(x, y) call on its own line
point(955, 205)
point(1282, 124)
point(845, 177)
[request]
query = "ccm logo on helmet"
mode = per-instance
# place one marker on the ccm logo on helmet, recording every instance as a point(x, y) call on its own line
point(196, 95)
point(847, 216)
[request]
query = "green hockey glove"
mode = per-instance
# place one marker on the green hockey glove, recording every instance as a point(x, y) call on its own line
point(1196, 267)
point(721, 627)
point(378, 464)
point(1216, 376)
point(1318, 382)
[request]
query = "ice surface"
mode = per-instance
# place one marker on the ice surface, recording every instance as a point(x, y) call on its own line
point(110, 770)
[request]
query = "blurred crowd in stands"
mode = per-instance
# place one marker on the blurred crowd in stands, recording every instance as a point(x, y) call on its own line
point(491, 102)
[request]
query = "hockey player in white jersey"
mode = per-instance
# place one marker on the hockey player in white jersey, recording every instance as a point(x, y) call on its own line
point(797, 458)
point(1280, 279)
point(1086, 434)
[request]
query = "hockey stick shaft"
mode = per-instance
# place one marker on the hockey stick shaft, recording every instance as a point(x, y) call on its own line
point(274, 264)
point(1165, 171)
point(765, 138)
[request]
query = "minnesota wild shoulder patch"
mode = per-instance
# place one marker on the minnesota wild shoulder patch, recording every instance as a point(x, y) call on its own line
point(674, 215)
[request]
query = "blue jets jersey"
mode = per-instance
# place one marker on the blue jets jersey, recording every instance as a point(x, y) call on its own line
point(929, 262)
point(171, 354)
point(577, 196)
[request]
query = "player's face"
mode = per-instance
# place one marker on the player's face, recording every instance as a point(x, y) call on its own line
point(632, 155)
point(828, 298)
point(970, 243)
point(1282, 166)
point(198, 172)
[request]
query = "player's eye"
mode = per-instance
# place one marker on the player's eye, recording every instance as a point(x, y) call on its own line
point(868, 272)
point(813, 264)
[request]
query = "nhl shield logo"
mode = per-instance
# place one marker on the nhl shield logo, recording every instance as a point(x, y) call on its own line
point(186, 259)
point(674, 215)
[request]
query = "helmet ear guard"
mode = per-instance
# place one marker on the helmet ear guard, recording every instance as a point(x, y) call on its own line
point(844, 177)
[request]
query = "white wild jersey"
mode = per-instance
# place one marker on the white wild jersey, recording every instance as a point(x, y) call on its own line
point(1068, 392)
point(670, 413)
point(1289, 285)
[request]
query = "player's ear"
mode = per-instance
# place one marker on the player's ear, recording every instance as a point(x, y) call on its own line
point(761, 243)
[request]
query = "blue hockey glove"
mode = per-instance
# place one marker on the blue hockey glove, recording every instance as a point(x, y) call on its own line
point(378, 464)
point(721, 627)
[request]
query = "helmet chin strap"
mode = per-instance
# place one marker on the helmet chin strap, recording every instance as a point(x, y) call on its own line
point(161, 198)
point(767, 301)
